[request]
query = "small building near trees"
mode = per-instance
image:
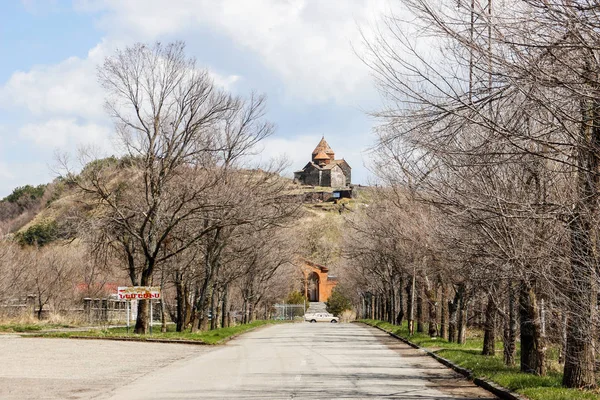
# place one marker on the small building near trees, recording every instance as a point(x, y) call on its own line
point(324, 169)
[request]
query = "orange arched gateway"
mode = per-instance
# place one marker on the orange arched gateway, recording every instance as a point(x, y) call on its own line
point(318, 285)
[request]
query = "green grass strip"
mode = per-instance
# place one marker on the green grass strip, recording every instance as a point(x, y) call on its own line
point(208, 337)
point(21, 328)
point(491, 367)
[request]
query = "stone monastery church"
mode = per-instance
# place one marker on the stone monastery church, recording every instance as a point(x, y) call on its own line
point(324, 169)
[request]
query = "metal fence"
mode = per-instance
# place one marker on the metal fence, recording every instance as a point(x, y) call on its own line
point(17, 306)
point(99, 310)
point(288, 311)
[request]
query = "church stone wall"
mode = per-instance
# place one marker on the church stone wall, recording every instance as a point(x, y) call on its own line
point(337, 178)
point(311, 177)
point(326, 178)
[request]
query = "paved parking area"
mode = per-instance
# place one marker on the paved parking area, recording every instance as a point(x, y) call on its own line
point(34, 368)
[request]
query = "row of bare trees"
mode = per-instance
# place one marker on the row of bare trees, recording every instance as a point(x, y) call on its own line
point(57, 277)
point(489, 144)
point(183, 207)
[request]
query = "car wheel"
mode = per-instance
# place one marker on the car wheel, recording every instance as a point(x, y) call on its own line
point(313, 320)
point(333, 321)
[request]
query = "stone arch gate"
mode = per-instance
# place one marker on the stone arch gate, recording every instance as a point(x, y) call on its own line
point(318, 284)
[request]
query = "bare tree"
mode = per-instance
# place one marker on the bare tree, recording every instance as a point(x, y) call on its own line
point(181, 134)
point(498, 129)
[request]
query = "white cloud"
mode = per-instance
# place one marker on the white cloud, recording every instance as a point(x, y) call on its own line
point(67, 134)
point(67, 88)
point(308, 43)
point(67, 100)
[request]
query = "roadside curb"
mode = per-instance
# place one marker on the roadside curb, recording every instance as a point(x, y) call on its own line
point(490, 386)
point(125, 339)
point(227, 339)
point(148, 339)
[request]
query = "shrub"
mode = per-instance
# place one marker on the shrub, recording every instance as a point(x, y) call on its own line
point(295, 298)
point(39, 234)
point(338, 303)
point(24, 196)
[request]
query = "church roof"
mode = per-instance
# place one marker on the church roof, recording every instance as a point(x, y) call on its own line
point(321, 156)
point(334, 163)
point(323, 146)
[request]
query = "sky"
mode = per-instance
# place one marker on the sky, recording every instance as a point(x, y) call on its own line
point(303, 54)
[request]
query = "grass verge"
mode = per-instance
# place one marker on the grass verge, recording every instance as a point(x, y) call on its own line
point(207, 337)
point(491, 367)
point(22, 328)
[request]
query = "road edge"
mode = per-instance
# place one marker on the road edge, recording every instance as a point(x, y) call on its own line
point(492, 387)
point(146, 339)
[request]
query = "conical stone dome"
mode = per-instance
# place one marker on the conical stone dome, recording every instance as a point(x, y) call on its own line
point(323, 147)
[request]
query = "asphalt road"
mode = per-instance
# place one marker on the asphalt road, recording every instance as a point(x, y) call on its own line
point(290, 361)
point(306, 361)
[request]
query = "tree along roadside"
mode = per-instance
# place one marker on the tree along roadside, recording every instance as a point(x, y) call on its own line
point(469, 356)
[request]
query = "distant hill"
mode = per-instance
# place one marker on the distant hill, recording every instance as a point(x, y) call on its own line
point(37, 215)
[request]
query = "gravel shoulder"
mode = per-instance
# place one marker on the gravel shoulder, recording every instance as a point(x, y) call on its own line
point(36, 368)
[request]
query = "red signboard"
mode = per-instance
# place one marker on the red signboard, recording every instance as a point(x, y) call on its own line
point(138, 292)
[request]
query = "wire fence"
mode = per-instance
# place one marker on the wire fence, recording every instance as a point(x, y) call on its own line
point(288, 311)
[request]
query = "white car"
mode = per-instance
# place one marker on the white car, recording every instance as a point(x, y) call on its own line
point(321, 317)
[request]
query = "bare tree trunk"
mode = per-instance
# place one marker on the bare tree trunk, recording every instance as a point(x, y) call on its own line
point(245, 311)
point(453, 321)
point(213, 308)
point(163, 315)
point(453, 310)
point(143, 316)
point(563, 338)
point(180, 296)
point(444, 313)
point(420, 317)
point(579, 370)
point(225, 308)
point(141, 324)
point(201, 305)
point(372, 306)
point(510, 330)
point(163, 308)
point(432, 315)
point(400, 315)
point(251, 313)
point(391, 317)
point(462, 321)
point(532, 350)
point(217, 309)
point(410, 293)
point(489, 338)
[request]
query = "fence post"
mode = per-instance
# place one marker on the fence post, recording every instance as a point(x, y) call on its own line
point(97, 308)
point(31, 303)
point(104, 309)
point(87, 309)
